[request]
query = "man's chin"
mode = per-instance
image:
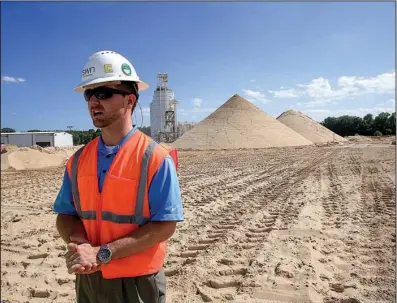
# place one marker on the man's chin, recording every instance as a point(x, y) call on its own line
point(99, 124)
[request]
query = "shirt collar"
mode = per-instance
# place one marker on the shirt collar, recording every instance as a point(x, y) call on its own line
point(105, 150)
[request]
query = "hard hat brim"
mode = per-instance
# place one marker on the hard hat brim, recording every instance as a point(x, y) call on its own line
point(85, 85)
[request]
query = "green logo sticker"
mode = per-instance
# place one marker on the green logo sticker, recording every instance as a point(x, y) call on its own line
point(126, 69)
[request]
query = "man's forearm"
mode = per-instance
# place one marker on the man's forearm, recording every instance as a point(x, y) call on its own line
point(142, 239)
point(68, 225)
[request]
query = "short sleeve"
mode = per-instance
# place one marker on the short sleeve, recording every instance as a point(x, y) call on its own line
point(64, 201)
point(165, 200)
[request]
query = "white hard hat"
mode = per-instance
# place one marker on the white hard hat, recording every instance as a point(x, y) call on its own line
point(107, 66)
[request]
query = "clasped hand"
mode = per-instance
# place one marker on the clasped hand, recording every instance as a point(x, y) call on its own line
point(81, 257)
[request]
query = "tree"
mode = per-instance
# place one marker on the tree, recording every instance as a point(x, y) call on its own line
point(368, 120)
point(330, 123)
point(346, 125)
point(380, 122)
point(7, 130)
point(391, 123)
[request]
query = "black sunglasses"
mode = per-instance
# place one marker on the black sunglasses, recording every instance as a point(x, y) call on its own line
point(103, 93)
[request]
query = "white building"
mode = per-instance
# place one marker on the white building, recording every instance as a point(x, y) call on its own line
point(163, 101)
point(43, 139)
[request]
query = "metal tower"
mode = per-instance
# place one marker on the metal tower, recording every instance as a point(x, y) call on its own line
point(163, 112)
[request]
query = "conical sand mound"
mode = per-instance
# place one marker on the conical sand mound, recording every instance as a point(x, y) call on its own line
point(308, 128)
point(239, 124)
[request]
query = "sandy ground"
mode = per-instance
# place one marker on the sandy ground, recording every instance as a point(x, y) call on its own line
point(310, 224)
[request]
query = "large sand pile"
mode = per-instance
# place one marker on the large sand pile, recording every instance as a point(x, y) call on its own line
point(308, 128)
point(239, 124)
point(36, 157)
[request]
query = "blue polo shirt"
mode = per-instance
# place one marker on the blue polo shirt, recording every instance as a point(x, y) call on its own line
point(164, 192)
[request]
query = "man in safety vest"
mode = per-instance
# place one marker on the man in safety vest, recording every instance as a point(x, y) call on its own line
point(120, 199)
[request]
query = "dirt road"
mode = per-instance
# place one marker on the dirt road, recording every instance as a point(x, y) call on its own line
point(278, 225)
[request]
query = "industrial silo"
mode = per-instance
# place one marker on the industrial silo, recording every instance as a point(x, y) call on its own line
point(163, 112)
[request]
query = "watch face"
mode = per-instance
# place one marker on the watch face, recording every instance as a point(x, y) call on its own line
point(104, 254)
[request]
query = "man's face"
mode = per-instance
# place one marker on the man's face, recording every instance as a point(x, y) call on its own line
point(105, 112)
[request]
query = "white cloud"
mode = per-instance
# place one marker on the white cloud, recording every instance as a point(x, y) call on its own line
point(12, 79)
point(390, 102)
point(197, 102)
point(252, 81)
point(375, 110)
point(318, 88)
point(255, 96)
point(315, 103)
point(287, 93)
point(320, 91)
point(381, 84)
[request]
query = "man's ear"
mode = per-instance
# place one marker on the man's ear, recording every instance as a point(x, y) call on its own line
point(131, 99)
point(132, 102)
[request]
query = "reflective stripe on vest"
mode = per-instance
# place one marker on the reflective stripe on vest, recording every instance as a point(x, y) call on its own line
point(138, 217)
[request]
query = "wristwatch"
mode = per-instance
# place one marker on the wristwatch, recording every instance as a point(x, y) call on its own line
point(104, 254)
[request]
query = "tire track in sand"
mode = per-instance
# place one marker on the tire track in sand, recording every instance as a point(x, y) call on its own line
point(257, 220)
point(365, 246)
point(377, 229)
point(238, 191)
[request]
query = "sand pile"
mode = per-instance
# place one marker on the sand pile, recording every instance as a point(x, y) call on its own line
point(239, 124)
point(8, 148)
point(36, 157)
point(308, 128)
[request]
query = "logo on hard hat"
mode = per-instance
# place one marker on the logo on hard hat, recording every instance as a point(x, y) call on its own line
point(126, 69)
point(88, 71)
point(108, 68)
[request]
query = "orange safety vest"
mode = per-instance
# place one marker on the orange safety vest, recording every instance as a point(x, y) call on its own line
point(173, 153)
point(123, 204)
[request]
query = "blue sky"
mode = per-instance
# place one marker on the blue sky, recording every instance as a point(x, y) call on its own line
point(325, 59)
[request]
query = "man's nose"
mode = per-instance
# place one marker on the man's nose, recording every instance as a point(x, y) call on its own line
point(94, 100)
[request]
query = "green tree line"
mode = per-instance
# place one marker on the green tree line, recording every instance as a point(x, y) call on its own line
point(383, 124)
